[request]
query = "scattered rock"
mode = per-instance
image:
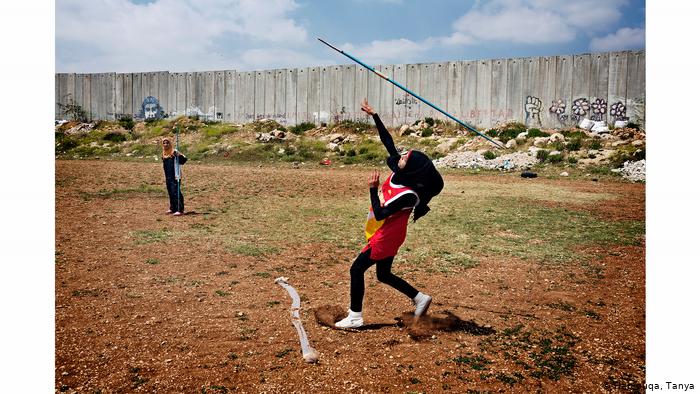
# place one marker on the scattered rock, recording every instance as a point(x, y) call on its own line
point(564, 173)
point(333, 147)
point(82, 128)
point(634, 171)
point(637, 143)
point(404, 130)
point(445, 146)
point(556, 137)
point(468, 159)
point(511, 144)
point(541, 141)
point(522, 137)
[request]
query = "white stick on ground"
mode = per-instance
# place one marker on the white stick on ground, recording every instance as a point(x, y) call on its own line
point(309, 354)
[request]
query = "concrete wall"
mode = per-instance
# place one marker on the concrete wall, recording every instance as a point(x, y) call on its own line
point(549, 91)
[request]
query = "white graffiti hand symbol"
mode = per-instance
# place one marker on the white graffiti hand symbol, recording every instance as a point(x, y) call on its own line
point(533, 105)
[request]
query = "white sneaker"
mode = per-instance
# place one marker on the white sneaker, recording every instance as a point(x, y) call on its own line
point(353, 320)
point(422, 302)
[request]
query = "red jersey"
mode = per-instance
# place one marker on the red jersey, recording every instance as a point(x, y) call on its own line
point(385, 237)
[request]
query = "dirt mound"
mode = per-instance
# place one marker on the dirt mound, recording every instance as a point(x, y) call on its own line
point(428, 325)
point(327, 315)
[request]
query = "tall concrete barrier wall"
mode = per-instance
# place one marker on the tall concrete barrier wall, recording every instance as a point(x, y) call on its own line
point(554, 91)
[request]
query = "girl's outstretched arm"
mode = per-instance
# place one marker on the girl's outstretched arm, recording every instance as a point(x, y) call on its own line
point(384, 135)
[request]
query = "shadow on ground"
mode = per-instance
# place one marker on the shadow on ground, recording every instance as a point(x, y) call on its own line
point(418, 329)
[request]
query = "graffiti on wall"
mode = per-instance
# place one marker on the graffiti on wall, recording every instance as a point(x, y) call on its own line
point(599, 107)
point(151, 109)
point(580, 109)
point(211, 115)
point(618, 111)
point(558, 109)
point(533, 108)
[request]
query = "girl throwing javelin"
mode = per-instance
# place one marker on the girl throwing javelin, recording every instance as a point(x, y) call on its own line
point(414, 181)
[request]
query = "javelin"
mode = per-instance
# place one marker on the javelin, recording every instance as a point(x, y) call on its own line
point(398, 85)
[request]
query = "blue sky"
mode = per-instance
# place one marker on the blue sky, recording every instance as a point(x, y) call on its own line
point(188, 35)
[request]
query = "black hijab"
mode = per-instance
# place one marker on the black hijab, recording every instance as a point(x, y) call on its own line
point(420, 175)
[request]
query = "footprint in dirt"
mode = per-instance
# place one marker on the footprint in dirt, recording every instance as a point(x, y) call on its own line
point(421, 328)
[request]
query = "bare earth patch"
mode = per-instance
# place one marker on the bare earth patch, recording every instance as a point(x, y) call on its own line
point(146, 302)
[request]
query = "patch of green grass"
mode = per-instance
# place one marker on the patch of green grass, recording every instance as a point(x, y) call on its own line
point(300, 128)
point(152, 261)
point(218, 129)
point(283, 353)
point(541, 354)
point(533, 133)
point(214, 389)
point(592, 314)
point(246, 249)
point(489, 220)
point(353, 126)
point(272, 303)
point(574, 134)
point(305, 149)
point(555, 158)
point(222, 293)
point(123, 192)
point(542, 155)
point(267, 126)
point(366, 151)
point(509, 379)
point(87, 293)
point(150, 236)
point(262, 274)
point(114, 136)
point(477, 363)
point(460, 259)
point(489, 155)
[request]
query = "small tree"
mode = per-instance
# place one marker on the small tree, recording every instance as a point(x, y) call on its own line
point(74, 111)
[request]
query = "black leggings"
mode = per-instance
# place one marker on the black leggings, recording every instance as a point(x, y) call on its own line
point(177, 201)
point(384, 275)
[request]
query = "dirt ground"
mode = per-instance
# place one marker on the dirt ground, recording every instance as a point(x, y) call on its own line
point(186, 314)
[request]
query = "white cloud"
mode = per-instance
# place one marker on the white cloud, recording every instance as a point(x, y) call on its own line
point(533, 21)
point(625, 38)
point(400, 50)
point(258, 59)
point(520, 24)
point(170, 35)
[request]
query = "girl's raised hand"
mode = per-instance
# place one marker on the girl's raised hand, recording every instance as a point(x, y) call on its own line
point(368, 108)
point(373, 180)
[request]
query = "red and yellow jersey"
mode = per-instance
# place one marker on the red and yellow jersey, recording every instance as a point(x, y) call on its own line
point(385, 237)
